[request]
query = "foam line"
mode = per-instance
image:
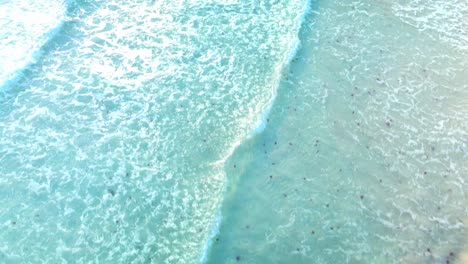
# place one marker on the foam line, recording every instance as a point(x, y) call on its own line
point(294, 47)
point(30, 55)
point(260, 126)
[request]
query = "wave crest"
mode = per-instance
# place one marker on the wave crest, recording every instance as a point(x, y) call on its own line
point(25, 27)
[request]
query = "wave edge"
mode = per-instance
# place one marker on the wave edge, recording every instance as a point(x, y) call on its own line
point(261, 122)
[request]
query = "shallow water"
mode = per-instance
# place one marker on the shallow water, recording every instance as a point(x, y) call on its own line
point(364, 158)
point(196, 131)
point(112, 143)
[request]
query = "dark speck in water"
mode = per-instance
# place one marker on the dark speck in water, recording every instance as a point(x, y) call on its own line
point(235, 165)
point(362, 197)
point(13, 223)
point(285, 195)
point(238, 258)
point(112, 192)
point(328, 205)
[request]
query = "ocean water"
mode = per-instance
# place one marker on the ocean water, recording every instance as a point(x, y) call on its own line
point(113, 141)
point(25, 26)
point(364, 157)
point(279, 131)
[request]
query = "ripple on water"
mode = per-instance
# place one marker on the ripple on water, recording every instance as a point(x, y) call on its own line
point(111, 142)
point(370, 123)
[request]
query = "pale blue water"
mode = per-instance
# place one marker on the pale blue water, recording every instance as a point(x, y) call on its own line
point(283, 131)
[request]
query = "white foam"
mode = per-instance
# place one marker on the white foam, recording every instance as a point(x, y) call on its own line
point(260, 125)
point(25, 27)
point(214, 231)
point(294, 47)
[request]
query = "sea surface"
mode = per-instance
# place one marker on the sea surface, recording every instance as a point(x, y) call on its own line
point(234, 131)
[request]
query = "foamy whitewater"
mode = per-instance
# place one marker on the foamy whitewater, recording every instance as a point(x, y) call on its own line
point(282, 131)
point(25, 27)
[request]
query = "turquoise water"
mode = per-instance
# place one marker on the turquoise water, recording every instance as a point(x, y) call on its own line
point(25, 26)
point(234, 131)
point(364, 157)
